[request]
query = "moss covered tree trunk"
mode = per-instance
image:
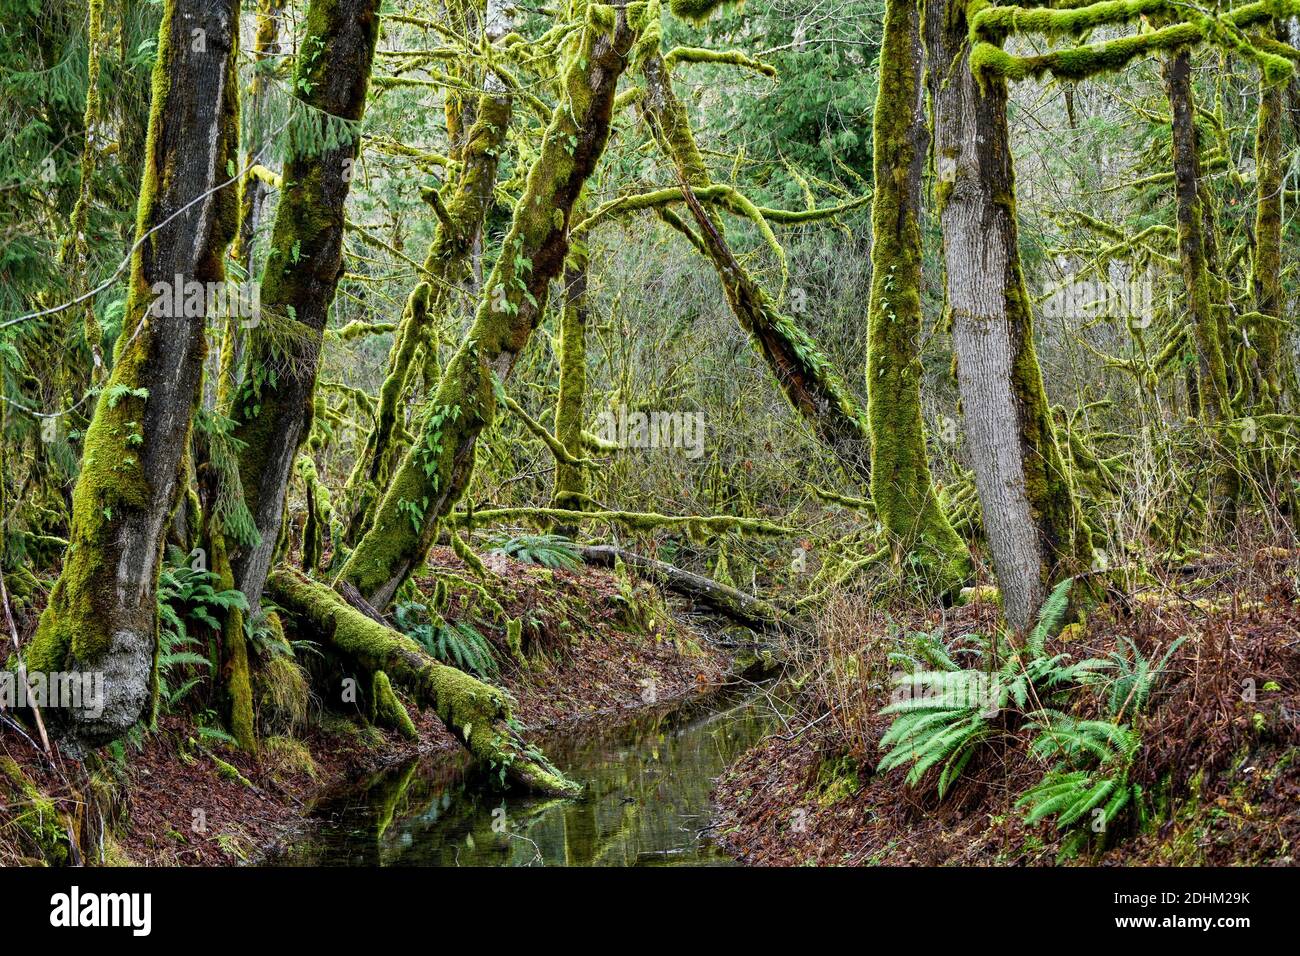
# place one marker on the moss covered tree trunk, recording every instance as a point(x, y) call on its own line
point(1029, 513)
point(1212, 375)
point(445, 267)
point(102, 614)
point(901, 488)
point(804, 374)
point(1213, 393)
point(1266, 270)
point(272, 407)
point(478, 714)
point(436, 470)
point(570, 479)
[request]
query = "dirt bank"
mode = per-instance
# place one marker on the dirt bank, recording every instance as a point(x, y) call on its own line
point(1219, 762)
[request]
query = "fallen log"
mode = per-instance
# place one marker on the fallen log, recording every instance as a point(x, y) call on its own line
point(740, 607)
point(477, 714)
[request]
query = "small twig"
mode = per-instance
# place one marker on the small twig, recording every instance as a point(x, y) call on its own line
point(22, 668)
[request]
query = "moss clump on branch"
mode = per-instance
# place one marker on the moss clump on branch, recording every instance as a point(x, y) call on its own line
point(1080, 62)
point(699, 11)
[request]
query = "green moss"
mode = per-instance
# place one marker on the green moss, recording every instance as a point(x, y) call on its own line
point(387, 710)
point(698, 11)
point(228, 771)
point(34, 815)
point(286, 755)
point(837, 779)
point(235, 675)
point(283, 694)
point(478, 714)
point(901, 488)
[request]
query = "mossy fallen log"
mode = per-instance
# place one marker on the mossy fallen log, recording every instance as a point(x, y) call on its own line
point(737, 605)
point(477, 714)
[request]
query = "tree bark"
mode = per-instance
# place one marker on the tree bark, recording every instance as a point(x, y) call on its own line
point(1029, 513)
point(102, 614)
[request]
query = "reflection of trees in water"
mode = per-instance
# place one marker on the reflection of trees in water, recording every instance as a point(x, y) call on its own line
point(649, 787)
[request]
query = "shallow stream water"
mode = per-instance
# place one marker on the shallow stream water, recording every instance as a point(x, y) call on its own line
point(648, 801)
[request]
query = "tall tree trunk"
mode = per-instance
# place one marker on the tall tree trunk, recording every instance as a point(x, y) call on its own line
point(1266, 269)
point(1030, 518)
point(571, 480)
point(901, 488)
point(436, 470)
point(1213, 392)
point(273, 405)
point(804, 374)
point(102, 615)
point(1212, 377)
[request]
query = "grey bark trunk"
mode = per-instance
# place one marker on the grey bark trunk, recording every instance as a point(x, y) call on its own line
point(1024, 492)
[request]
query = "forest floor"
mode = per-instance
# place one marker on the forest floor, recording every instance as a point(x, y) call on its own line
point(1220, 755)
point(593, 644)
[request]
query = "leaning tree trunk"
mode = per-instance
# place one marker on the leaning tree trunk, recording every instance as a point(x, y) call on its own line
point(1029, 513)
point(804, 374)
point(436, 470)
point(445, 267)
point(272, 407)
point(478, 714)
point(901, 488)
point(102, 614)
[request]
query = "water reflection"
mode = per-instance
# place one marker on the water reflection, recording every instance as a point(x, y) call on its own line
point(647, 801)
